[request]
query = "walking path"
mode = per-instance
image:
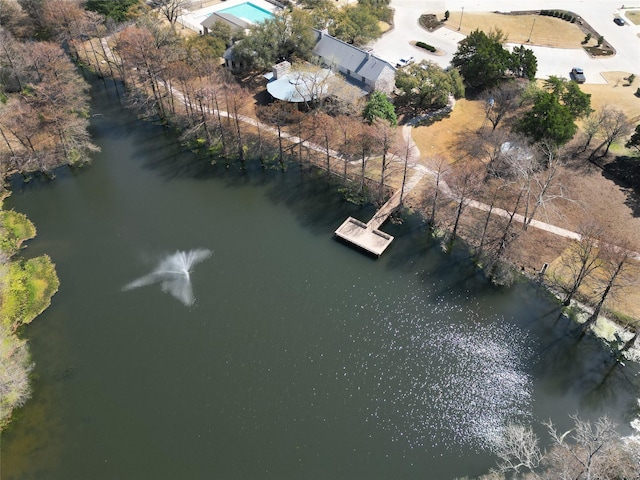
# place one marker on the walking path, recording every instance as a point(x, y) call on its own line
point(419, 171)
point(368, 236)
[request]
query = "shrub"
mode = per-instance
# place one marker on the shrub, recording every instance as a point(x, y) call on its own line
point(426, 46)
point(600, 40)
point(446, 15)
point(586, 38)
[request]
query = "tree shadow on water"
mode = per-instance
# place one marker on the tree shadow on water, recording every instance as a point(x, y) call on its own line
point(585, 369)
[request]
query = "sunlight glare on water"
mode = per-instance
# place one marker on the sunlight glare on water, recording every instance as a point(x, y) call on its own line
point(436, 381)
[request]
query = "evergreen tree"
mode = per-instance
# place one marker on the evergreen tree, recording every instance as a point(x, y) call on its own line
point(481, 59)
point(379, 106)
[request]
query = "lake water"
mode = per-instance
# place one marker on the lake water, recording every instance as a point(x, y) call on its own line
point(283, 353)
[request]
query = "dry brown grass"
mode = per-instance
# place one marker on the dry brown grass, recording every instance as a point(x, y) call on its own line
point(634, 16)
point(547, 31)
point(624, 300)
point(615, 94)
point(590, 195)
point(439, 139)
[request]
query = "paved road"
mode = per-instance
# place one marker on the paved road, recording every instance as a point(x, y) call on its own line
point(551, 61)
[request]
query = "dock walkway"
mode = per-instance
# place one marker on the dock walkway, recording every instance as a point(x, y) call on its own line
point(368, 236)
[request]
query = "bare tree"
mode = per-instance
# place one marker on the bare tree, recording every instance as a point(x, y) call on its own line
point(591, 126)
point(500, 101)
point(545, 188)
point(438, 167)
point(615, 125)
point(13, 58)
point(464, 179)
point(171, 9)
point(617, 262)
point(582, 260)
point(518, 449)
point(235, 97)
point(407, 152)
point(385, 137)
point(325, 133)
point(364, 144)
point(588, 451)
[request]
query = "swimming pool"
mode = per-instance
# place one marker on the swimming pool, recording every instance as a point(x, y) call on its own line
point(249, 12)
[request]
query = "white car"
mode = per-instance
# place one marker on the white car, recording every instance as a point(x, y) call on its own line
point(403, 62)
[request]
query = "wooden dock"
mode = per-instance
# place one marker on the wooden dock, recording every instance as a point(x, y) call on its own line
point(367, 236)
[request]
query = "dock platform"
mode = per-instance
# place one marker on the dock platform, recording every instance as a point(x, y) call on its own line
point(367, 236)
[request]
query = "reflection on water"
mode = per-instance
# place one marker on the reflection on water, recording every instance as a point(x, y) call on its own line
point(438, 381)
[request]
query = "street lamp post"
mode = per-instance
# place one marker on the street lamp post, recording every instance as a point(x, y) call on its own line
point(460, 25)
point(534, 22)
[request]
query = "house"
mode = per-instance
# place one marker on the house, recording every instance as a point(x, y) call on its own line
point(358, 66)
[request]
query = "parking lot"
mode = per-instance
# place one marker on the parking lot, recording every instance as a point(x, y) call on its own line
point(396, 44)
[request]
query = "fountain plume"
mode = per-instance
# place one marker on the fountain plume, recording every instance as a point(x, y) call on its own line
point(173, 274)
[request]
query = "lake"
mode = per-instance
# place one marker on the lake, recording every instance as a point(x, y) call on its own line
point(208, 325)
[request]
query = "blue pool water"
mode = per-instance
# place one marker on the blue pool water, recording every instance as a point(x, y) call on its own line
point(248, 11)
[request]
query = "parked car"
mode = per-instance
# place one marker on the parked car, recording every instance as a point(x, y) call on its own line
point(403, 62)
point(577, 74)
point(618, 21)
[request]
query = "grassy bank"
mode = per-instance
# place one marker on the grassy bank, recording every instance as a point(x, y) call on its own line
point(26, 288)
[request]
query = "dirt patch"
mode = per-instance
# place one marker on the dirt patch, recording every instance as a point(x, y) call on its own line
point(541, 30)
point(430, 22)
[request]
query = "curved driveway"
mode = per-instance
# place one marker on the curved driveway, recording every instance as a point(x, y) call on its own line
point(394, 44)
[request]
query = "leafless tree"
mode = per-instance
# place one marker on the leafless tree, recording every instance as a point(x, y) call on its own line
point(464, 180)
point(591, 126)
point(615, 125)
point(500, 101)
point(438, 166)
point(583, 259)
point(618, 263)
point(385, 137)
point(13, 58)
point(364, 145)
point(325, 134)
point(589, 451)
point(407, 152)
point(518, 449)
point(544, 185)
point(171, 9)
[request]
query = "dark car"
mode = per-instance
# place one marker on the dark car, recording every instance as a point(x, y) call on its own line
point(618, 21)
point(577, 74)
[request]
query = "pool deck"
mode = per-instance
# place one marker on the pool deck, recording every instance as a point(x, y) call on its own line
point(192, 19)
